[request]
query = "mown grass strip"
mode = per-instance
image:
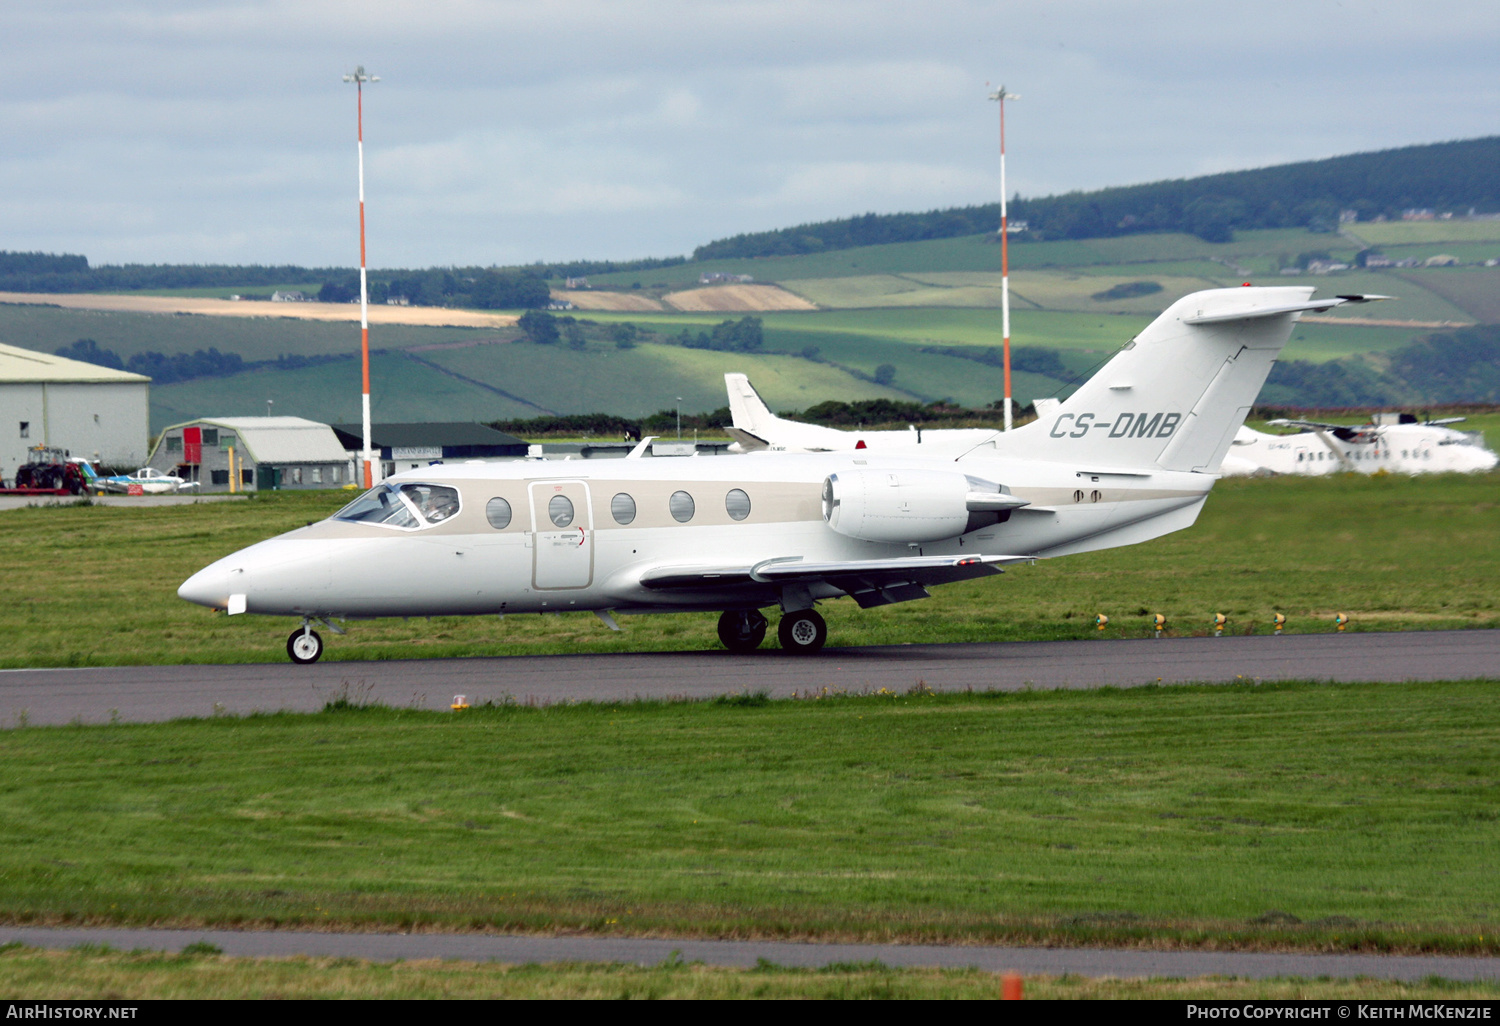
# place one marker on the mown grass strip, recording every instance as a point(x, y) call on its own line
point(1292, 816)
point(94, 973)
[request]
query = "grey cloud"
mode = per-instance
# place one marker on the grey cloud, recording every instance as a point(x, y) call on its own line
point(501, 132)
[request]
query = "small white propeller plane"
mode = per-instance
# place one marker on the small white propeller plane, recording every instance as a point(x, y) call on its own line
point(1395, 443)
point(1128, 457)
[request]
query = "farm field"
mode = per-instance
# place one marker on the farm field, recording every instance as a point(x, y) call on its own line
point(1399, 233)
point(639, 381)
point(1393, 553)
point(1189, 816)
point(92, 973)
point(176, 305)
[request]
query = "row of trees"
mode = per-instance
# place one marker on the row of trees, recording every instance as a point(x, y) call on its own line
point(164, 369)
point(477, 287)
point(1444, 176)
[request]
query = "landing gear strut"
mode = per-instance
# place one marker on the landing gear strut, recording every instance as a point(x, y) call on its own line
point(304, 646)
point(742, 630)
point(802, 632)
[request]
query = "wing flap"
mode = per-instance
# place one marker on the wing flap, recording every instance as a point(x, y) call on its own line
point(853, 576)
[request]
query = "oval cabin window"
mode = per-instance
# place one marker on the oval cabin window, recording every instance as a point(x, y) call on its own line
point(497, 512)
point(681, 505)
point(737, 503)
point(560, 509)
point(622, 508)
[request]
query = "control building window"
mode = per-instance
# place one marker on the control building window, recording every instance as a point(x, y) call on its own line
point(497, 512)
point(317, 474)
point(293, 475)
point(226, 440)
point(737, 504)
point(682, 507)
point(560, 510)
point(25, 429)
point(220, 477)
point(247, 477)
point(622, 508)
point(210, 436)
point(174, 443)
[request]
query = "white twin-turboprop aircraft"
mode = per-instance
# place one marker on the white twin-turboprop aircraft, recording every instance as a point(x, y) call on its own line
point(1128, 457)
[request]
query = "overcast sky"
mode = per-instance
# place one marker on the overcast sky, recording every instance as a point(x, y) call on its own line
point(505, 132)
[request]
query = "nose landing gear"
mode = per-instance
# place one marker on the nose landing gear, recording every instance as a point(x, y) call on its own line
point(304, 646)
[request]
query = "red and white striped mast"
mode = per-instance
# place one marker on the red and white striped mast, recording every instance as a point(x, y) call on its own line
point(359, 78)
point(1000, 95)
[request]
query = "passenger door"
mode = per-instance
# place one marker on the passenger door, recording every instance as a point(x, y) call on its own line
point(562, 531)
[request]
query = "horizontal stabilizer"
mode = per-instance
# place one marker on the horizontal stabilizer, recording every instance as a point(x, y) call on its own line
point(1252, 308)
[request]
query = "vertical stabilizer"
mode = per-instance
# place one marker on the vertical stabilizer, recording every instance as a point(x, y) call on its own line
point(1175, 395)
point(748, 410)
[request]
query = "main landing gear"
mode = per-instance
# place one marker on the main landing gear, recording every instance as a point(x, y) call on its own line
point(802, 632)
point(742, 630)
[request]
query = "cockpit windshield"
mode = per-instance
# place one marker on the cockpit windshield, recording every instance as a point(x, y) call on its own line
point(402, 505)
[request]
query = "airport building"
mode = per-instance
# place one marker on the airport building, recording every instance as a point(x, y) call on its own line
point(247, 454)
point(92, 412)
point(404, 446)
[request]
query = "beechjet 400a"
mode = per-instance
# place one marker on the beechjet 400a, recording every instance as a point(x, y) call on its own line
point(1128, 457)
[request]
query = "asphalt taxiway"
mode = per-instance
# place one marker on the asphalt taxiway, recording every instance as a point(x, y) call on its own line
point(153, 693)
point(513, 949)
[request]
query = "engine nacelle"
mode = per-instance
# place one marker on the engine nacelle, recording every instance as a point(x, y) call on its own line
point(911, 506)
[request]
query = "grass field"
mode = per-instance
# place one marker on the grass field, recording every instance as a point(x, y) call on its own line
point(93, 973)
point(1395, 233)
point(1393, 553)
point(1311, 816)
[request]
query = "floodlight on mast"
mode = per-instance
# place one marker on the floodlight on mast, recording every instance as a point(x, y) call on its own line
point(1000, 96)
point(359, 77)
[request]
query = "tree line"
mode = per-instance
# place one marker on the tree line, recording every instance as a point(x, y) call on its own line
point(165, 369)
point(1310, 194)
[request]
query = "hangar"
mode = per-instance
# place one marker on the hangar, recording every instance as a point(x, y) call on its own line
point(404, 446)
point(247, 454)
point(94, 412)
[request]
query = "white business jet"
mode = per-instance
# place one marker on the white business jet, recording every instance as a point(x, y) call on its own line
point(1128, 457)
point(1396, 443)
point(755, 428)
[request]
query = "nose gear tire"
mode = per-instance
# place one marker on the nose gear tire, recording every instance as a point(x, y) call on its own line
point(304, 646)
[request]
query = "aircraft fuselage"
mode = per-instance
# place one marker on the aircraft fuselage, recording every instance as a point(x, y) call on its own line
point(582, 535)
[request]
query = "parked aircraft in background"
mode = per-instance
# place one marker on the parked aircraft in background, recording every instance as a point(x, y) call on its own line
point(1391, 442)
point(146, 481)
point(755, 427)
point(1128, 457)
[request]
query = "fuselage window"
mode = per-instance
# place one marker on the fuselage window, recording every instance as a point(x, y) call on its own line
point(737, 503)
point(681, 505)
point(560, 509)
point(407, 505)
point(622, 508)
point(497, 512)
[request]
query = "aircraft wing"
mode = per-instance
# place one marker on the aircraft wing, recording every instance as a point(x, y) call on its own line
point(1311, 425)
point(870, 582)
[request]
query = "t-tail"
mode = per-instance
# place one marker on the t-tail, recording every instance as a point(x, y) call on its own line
point(1174, 396)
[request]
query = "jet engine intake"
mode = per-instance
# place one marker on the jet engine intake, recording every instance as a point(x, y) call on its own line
point(912, 506)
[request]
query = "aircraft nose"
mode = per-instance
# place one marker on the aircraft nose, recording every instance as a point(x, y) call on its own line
point(212, 586)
